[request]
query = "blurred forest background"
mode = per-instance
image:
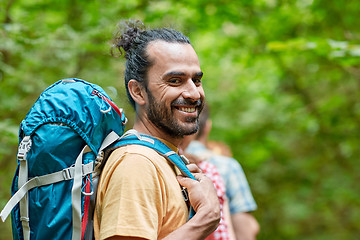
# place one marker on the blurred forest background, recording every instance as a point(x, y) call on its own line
point(282, 78)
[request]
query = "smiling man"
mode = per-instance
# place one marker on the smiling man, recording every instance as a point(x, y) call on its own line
point(139, 194)
point(174, 94)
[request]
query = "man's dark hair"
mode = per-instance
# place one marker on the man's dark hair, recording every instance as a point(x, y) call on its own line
point(132, 37)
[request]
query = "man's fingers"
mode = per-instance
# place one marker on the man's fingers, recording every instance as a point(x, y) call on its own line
point(185, 181)
point(202, 192)
point(193, 168)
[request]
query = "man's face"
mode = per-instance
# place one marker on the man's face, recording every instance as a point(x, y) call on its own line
point(174, 89)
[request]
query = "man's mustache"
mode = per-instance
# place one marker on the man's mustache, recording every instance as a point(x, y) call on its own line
point(197, 103)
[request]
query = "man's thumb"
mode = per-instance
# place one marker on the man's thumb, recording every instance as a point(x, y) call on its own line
point(184, 181)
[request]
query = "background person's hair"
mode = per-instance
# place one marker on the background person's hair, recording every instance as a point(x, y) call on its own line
point(132, 38)
point(203, 117)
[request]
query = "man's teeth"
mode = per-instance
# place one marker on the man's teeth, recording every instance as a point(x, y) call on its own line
point(189, 110)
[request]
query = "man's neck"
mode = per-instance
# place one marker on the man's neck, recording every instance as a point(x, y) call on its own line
point(152, 130)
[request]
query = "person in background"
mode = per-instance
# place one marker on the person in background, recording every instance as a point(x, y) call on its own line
point(219, 148)
point(225, 229)
point(241, 201)
point(139, 194)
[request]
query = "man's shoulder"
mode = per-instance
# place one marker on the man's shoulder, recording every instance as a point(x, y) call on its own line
point(141, 156)
point(134, 155)
point(135, 149)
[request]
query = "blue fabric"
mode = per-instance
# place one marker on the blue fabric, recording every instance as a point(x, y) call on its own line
point(67, 116)
point(237, 188)
point(74, 104)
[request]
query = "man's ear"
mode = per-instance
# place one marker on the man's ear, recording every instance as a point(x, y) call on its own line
point(137, 91)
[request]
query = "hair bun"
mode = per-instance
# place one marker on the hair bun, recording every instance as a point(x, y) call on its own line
point(127, 32)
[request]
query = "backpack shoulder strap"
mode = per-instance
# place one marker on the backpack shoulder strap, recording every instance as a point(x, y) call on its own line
point(132, 137)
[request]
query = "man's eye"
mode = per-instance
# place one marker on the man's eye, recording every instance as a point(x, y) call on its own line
point(174, 80)
point(197, 81)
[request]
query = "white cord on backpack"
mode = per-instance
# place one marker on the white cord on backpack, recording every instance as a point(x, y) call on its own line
point(106, 111)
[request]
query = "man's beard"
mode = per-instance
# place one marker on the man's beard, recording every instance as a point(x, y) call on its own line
point(163, 117)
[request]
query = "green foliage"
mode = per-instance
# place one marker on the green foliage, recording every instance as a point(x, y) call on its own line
point(281, 77)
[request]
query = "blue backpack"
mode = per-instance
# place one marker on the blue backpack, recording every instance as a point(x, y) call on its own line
point(62, 141)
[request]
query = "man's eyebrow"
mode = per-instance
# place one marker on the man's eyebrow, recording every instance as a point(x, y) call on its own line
point(199, 74)
point(175, 74)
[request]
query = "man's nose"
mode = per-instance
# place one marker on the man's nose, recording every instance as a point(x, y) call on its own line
point(191, 91)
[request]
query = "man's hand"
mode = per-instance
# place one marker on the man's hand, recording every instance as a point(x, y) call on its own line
point(203, 199)
point(202, 193)
point(193, 168)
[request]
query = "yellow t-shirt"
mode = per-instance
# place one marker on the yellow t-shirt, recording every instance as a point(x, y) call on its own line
point(138, 195)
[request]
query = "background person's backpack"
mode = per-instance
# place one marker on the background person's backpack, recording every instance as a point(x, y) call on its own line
point(61, 144)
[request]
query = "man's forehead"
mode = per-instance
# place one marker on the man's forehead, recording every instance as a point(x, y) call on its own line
point(163, 48)
point(159, 42)
point(168, 57)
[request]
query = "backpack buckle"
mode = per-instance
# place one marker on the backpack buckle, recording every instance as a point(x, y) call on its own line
point(24, 148)
point(67, 174)
point(185, 194)
point(26, 219)
point(185, 159)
